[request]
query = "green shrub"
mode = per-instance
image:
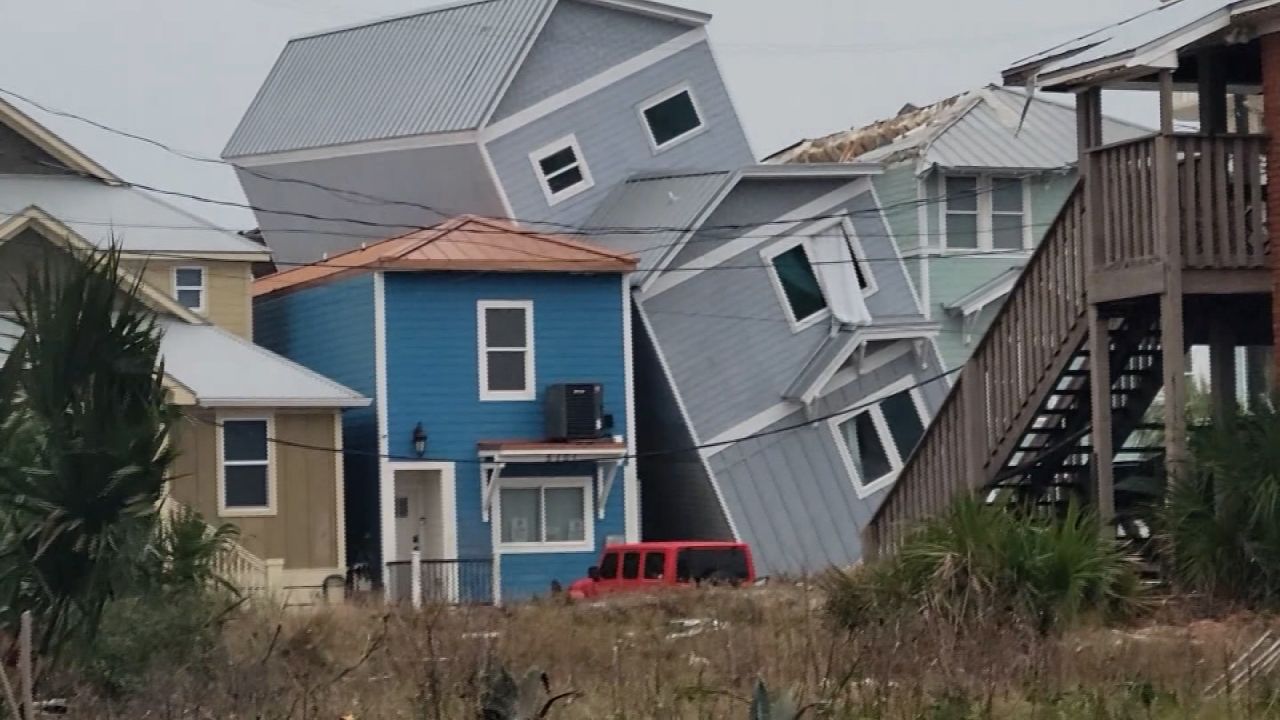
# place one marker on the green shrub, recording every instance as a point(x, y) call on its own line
point(1219, 524)
point(979, 563)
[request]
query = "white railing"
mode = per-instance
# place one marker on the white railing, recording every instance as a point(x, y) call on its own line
point(244, 570)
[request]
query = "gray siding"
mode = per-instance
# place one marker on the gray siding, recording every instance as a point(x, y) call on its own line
point(578, 41)
point(614, 141)
point(18, 155)
point(725, 333)
point(898, 191)
point(746, 210)
point(676, 494)
point(790, 493)
point(451, 179)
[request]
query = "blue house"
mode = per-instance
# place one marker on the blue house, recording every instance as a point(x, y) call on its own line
point(499, 362)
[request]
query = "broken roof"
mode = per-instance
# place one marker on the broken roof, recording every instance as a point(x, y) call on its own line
point(465, 243)
point(1136, 46)
point(982, 128)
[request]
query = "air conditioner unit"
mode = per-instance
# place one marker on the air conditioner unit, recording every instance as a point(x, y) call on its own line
point(575, 411)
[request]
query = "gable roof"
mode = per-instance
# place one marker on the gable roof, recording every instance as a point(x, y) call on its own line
point(440, 70)
point(465, 243)
point(982, 128)
point(1135, 46)
point(61, 150)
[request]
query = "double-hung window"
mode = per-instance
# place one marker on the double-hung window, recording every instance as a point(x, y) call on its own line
point(986, 213)
point(796, 282)
point(671, 117)
point(542, 515)
point(561, 170)
point(246, 478)
point(505, 333)
point(875, 441)
point(189, 287)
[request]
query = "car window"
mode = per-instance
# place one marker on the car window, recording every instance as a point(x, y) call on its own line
point(698, 564)
point(654, 565)
point(609, 568)
point(631, 566)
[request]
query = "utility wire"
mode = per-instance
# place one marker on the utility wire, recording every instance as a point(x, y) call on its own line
point(630, 456)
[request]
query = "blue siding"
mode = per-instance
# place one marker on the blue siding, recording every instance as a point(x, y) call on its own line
point(433, 378)
point(304, 326)
point(614, 141)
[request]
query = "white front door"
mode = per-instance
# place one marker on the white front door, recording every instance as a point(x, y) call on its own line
point(418, 514)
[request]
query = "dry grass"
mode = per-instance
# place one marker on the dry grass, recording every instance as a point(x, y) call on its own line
point(631, 659)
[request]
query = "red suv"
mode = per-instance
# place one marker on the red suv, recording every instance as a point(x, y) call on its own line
point(651, 565)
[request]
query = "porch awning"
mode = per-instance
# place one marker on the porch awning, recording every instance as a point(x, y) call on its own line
point(608, 455)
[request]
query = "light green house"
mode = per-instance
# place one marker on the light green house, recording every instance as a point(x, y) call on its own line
point(970, 187)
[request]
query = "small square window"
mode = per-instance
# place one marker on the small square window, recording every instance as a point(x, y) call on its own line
point(505, 336)
point(799, 283)
point(655, 564)
point(561, 170)
point(188, 287)
point(631, 566)
point(671, 117)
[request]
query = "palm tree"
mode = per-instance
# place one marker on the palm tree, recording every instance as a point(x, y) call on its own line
point(83, 445)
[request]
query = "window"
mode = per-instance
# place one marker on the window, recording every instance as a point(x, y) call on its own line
point(875, 441)
point(699, 564)
point(545, 513)
point(1006, 214)
point(505, 336)
point(986, 213)
point(561, 170)
point(655, 564)
point(246, 474)
point(609, 568)
point(962, 212)
point(671, 118)
point(797, 283)
point(631, 566)
point(188, 287)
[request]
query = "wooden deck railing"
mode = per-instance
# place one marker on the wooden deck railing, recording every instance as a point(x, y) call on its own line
point(1032, 338)
point(244, 570)
point(1221, 201)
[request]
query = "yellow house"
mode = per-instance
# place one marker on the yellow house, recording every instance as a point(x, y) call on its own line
point(260, 437)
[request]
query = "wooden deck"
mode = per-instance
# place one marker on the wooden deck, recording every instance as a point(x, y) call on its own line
point(1164, 215)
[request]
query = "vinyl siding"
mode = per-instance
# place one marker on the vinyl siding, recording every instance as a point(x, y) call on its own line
point(329, 328)
point(20, 156)
point(614, 141)
point(677, 498)
point(746, 209)
point(789, 492)
point(579, 41)
point(725, 333)
point(396, 189)
point(227, 289)
point(433, 378)
point(898, 190)
point(304, 531)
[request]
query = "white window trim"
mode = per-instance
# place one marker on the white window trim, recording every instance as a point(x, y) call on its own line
point(535, 158)
point(985, 213)
point(660, 98)
point(872, 406)
point(530, 365)
point(203, 287)
point(272, 494)
point(767, 255)
point(855, 248)
point(588, 542)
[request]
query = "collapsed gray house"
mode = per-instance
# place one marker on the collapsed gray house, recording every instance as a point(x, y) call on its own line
point(784, 366)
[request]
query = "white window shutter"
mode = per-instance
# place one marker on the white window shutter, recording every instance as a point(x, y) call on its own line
point(833, 259)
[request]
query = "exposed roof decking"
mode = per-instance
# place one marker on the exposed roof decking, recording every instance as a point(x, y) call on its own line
point(465, 243)
point(983, 128)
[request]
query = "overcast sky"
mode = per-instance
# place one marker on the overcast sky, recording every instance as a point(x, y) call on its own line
point(183, 71)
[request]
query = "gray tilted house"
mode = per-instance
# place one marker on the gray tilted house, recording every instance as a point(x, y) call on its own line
point(970, 187)
point(784, 362)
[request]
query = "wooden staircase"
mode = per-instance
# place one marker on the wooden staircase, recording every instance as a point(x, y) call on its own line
point(242, 569)
point(1168, 222)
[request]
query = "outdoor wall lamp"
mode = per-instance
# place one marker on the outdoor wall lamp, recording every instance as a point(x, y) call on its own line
point(419, 440)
